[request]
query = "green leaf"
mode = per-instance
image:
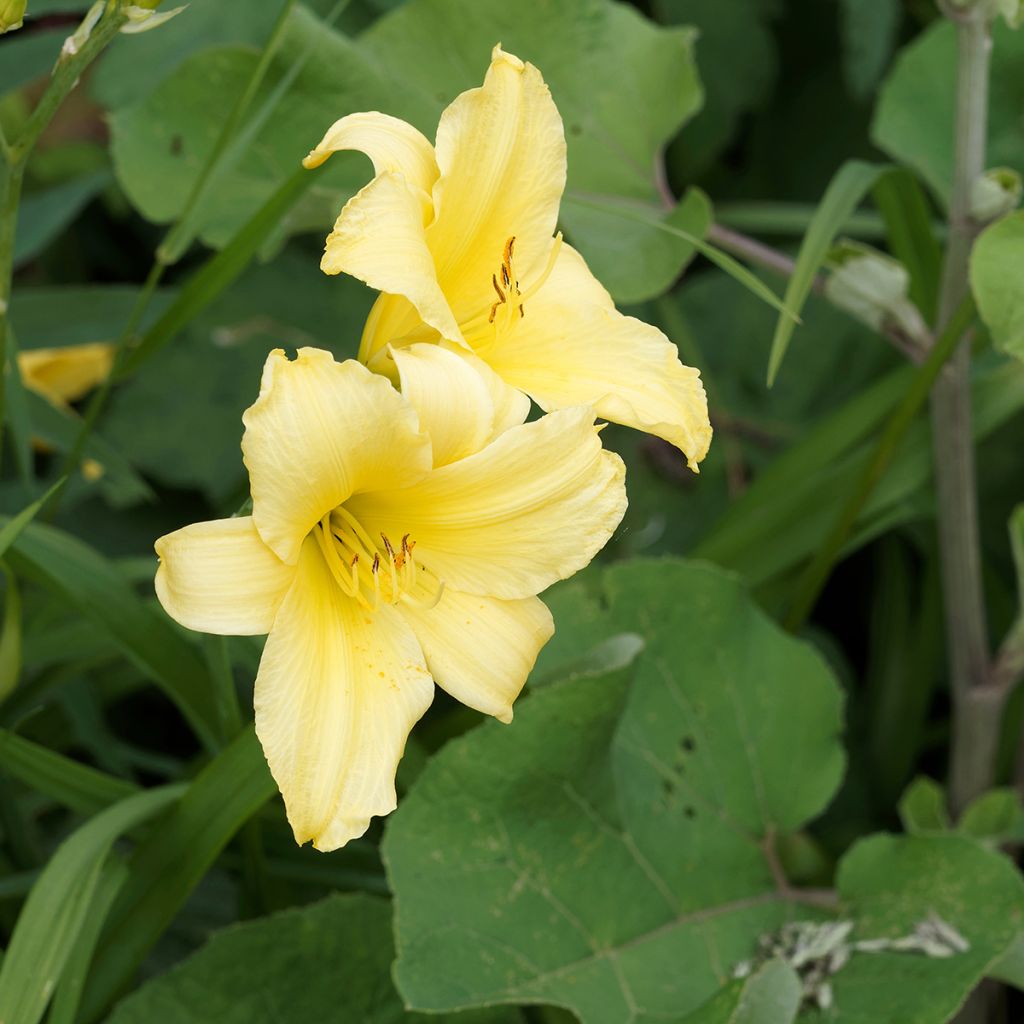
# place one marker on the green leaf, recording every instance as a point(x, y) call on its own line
point(170, 862)
point(913, 121)
point(339, 948)
point(1010, 966)
point(78, 786)
point(846, 190)
point(995, 817)
point(997, 282)
point(90, 584)
point(29, 55)
point(615, 125)
point(771, 995)
point(575, 874)
point(889, 883)
point(55, 911)
point(923, 809)
point(869, 37)
point(10, 636)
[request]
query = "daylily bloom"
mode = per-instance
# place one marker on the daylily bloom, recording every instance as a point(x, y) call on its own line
point(63, 375)
point(394, 539)
point(459, 239)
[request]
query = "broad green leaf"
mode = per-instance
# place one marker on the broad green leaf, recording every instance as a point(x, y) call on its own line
point(995, 817)
point(93, 587)
point(327, 961)
point(575, 872)
point(997, 284)
point(846, 190)
point(45, 214)
point(170, 862)
point(1010, 966)
point(626, 874)
point(889, 883)
point(82, 788)
point(914, 116)
point(923, 808)
point(615, 125)
point(55, 911)
point(772, 995)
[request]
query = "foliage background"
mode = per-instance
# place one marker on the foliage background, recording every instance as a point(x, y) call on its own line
point(743, 110)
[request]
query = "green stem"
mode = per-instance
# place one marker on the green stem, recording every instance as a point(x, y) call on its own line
point(812, 580)
point(976, 719)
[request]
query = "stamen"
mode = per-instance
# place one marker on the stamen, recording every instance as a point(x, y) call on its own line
point(501, 298)
point(391, 565)
point(556, 248)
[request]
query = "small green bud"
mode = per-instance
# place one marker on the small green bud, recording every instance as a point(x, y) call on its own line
point(874, 288)
point(996, 193)
point(12, 13)
point(142, 16)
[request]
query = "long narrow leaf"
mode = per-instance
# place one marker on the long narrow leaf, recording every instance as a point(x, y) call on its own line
point(56, 908)
point(167, 866)
point(88, 582)
point(846, 190)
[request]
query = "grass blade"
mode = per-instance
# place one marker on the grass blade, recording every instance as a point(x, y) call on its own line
point(843, 195)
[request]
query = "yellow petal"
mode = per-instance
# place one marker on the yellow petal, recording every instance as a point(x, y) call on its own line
point(481, 649)
point(390, 143)
point(501, 153)
point(573, 347)
point(533, 507)
point(455, 399)
point(219, 577)
point(319, 432)
point(337, 693)
point(63, 375)
point(379, 238)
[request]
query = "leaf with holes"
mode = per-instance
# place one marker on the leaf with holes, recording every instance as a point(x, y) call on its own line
point(612, 852)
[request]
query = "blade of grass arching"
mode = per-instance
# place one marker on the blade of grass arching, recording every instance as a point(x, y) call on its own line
point(79, 787)
point(56, 909)
point(12, 528)
point(722, 260)
point(171, 861)
point(89, 583)
point(783, 218)
point(72, 984)
point(814, 576)
point(844, 193)
point(218, 272)
point(911, 236)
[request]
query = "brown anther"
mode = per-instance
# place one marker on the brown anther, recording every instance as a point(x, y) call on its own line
point(506, 278)
point(501, 298)
point(509, 246)
point(376, 563)
point(354, 562)
point(406, 548)
point(387, 546)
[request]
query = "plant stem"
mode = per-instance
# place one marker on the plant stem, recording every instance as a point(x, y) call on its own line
point(761, 255)
point(976, 716)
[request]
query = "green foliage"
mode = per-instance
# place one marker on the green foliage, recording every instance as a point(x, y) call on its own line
point(995, 280)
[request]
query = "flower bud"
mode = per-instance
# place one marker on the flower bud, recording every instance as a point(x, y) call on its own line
point(874, 288)
point(12, 12)
point(996, 193)
point(142, 16)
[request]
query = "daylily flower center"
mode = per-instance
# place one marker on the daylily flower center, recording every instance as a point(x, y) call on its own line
point(372, 571)
point(511, 298)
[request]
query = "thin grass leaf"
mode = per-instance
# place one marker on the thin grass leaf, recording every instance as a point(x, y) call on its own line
point(844, 193)
point(91, 584)
point(722, 260)
point(79, 787)
point(11, 530)
point(56, 909)
point(168, 865)
point(10, 636)
point(15, 411)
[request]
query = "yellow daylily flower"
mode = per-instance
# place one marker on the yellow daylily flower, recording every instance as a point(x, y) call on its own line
point(460, 240)
point(63, 375)
point(395, 539)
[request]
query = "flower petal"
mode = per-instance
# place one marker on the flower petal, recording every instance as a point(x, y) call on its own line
point(480, 649)
point(455, 399)
point(63, 375)
point(501, 152)
point(219, 577)
point(319, 432)
point(574, 347)
point(337, 692)
point(379, 238)
point(390, 143)
point(533, 507)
